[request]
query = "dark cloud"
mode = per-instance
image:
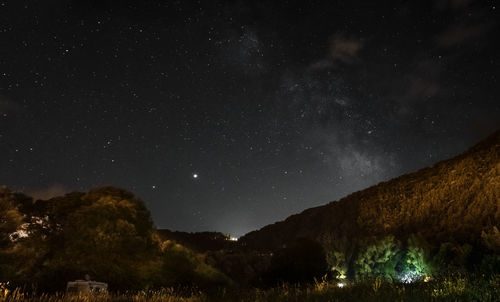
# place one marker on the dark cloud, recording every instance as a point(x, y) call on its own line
point(419, 85)
point(461, 33)
point(341, 50)
point(344, 49)
point(321, 65)
point(453, 4)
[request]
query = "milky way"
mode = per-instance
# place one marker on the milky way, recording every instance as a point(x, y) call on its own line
point(228, 117)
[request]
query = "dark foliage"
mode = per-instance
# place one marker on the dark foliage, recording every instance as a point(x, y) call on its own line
point(106, 233)
point(200, 242)
point(301, 261)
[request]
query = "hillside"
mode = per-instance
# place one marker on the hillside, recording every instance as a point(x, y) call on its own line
point(454, 200)
point(199, 242)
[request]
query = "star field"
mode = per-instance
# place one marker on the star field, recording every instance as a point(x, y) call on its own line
point(229, 116)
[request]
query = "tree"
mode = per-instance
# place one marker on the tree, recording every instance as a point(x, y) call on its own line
point(11, 222)
point(417, 260)
point(10, 217)
point(337, 263)
point(379, 259)
point(181, 267)
point(107, 233)
point(491, 239)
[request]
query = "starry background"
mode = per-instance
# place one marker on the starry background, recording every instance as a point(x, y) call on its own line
point(276, 107)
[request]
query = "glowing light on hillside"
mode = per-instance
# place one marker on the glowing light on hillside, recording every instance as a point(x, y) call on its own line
point(340, 285)
point(410, 277)
point(406, 278)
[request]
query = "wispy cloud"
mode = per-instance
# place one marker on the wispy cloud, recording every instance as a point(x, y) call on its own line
point(453, 4)
point(461, 33)
point(341, 50)
point(345, 49)
point(53, 190)
point(419, 85)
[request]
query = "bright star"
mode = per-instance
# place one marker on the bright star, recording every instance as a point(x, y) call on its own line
point(195, 175)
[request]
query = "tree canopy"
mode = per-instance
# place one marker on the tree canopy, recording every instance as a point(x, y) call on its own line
point(106, 233)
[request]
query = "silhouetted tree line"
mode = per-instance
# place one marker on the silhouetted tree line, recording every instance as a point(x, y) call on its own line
point(200, 242)
point(108, 234)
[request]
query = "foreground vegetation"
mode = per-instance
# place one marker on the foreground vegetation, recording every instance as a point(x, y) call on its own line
point(457, 288)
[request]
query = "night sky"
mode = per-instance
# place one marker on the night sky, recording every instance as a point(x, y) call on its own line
point(229, 115)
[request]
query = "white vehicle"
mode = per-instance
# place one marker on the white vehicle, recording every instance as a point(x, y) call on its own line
point(86, 287)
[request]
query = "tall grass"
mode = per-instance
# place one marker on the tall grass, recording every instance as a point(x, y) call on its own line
point(456, 288)
point(166, 295)
point(450, 289)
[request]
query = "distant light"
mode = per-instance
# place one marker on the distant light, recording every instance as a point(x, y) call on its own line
point(233, 238)
point(195, 175)
point(340, 285)
point(153, 187)
point(427, 279)
point(409, 277)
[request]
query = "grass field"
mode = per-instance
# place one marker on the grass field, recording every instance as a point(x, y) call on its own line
point(458, 288)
